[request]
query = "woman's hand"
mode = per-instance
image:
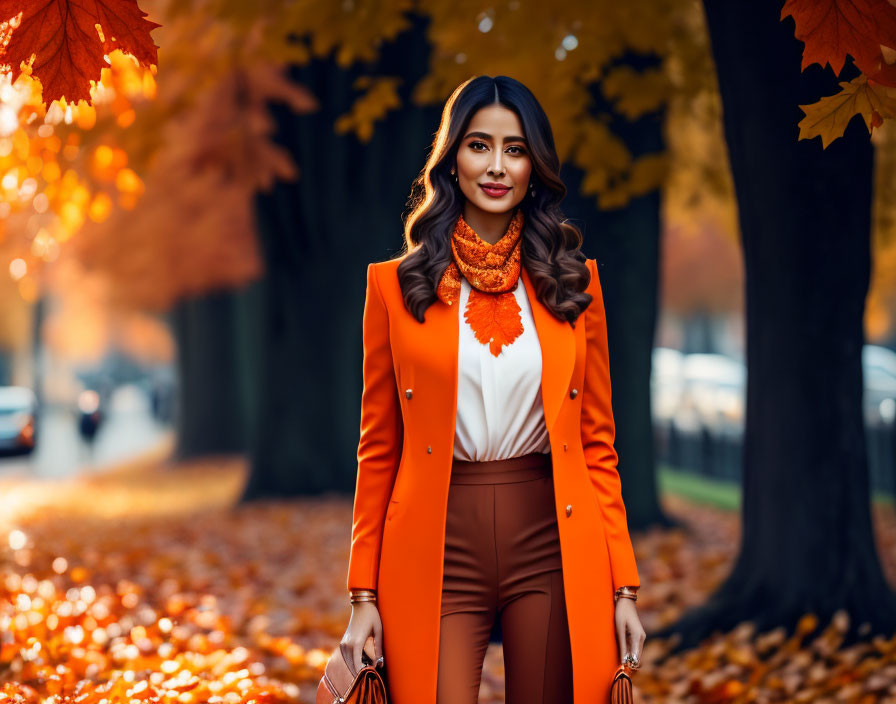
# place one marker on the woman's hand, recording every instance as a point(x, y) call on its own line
point(630, 634)
point(364, 623)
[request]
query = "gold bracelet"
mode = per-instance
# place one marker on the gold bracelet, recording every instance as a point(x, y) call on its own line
point(358, 596)
point(626, 593)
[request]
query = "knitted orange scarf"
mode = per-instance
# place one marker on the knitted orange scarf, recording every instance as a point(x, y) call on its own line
point(493, 271)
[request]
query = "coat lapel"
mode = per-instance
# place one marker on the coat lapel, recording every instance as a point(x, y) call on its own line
point(558, 353)
point(556, 339)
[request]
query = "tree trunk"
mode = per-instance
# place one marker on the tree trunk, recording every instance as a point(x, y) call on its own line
point(318, 235)
point(807, 541)
point(210, 410)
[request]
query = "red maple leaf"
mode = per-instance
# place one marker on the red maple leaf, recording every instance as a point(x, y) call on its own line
point(68, 49)
point(831, 29)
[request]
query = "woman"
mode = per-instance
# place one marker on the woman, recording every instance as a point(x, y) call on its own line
point(487, 486)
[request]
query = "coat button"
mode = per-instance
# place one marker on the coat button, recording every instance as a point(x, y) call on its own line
point(573, 393)
point(564, 447)
point(568, 510)
point(429, 449)
point(408, 393)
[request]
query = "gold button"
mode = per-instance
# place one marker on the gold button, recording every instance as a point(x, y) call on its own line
point(568, 510)
point(408, 393)
point(429, 449)
point(573, 393)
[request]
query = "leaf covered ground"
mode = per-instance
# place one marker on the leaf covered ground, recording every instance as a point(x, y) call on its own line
point(147, 584)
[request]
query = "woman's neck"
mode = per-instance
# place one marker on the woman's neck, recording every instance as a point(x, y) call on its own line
point(489, 226)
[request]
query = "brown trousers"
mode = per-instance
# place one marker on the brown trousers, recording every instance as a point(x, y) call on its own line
point(502, 560)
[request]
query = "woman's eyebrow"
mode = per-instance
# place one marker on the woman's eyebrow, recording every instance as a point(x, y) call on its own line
point(486, 135)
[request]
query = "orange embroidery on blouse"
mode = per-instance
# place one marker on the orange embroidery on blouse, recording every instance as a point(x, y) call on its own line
point(493, 271)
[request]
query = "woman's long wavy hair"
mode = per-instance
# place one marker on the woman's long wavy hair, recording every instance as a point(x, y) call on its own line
point(551, 247)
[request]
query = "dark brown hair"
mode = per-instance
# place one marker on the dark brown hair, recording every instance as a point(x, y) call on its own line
point(551, 246)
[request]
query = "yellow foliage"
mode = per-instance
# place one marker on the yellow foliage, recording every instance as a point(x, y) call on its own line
point(636, 93)
point(194, 147)
point(380, 97)
point(829, 116)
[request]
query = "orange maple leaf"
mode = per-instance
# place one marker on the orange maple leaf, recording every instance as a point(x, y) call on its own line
point(831, 29)
point(67, 47)
point(495, 318)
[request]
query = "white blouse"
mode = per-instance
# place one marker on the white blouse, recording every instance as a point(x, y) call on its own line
point(499, 409)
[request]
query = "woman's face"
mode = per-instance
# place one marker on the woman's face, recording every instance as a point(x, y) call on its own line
point(493, 151)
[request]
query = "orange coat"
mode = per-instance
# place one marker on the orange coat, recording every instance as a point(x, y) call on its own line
point(408, 414)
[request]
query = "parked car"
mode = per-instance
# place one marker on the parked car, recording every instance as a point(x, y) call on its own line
point(713, 394)
point(18, 420)
point(879, 371)
point(697, 391)
point(666, 384)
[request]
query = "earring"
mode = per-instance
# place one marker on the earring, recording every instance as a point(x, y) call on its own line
point(532, 189)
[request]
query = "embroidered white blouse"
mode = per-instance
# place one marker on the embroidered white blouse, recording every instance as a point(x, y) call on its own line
point(499, 409)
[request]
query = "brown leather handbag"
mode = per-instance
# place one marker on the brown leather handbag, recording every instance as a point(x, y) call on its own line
point(337, 686)
point(621, 689)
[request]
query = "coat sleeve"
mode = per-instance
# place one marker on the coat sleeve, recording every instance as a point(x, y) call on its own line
point(598, 434)
point(379, 448)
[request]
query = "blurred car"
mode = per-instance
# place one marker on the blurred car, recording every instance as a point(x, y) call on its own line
point(708, 391)
point(18, 420)
point(714, 390)
point(879, 371)
point(666, 384)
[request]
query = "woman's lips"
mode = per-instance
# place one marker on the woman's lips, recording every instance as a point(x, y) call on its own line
point(494, 192)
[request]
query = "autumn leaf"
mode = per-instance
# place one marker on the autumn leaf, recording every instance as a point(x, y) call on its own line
point(831, 29)
point(829, 116)
point(381, 96)
point(495, 318)
point(69, 40)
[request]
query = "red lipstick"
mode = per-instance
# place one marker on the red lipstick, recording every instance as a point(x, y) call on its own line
point(495, 190)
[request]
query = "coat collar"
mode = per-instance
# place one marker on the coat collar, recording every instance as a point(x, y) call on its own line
point(556, 339)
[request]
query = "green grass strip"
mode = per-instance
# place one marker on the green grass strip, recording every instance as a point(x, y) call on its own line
point(719, 493)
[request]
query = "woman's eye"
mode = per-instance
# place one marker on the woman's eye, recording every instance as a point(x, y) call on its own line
point(519, 150)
